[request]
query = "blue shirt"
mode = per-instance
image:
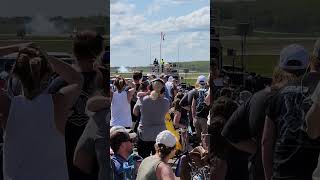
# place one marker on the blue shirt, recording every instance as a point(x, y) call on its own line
point(122, 171)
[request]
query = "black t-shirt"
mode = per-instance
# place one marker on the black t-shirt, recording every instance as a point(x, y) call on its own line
point(187, 101)
point(237, 128)
point(133, 102)
point(237, 161)
point(134, 96)
point(257, 106)
point(295, 154)
point(184, 119)
point(188, 97)
point(248, 122)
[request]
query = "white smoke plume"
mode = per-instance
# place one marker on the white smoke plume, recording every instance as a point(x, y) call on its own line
point(123, 69)
point(41, 26)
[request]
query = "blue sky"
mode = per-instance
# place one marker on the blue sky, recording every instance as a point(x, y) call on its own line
point(136, 26)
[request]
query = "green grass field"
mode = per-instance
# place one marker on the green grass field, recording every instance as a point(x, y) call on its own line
point(260, 64)
point(263, 52)
point(265, 45)
point(57, 44)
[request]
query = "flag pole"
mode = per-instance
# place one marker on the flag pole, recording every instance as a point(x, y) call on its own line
point(160, 44)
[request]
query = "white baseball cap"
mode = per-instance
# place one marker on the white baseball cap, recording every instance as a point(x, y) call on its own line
point(166, 138)
point(202, 79)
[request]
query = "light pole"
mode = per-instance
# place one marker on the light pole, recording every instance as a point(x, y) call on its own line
point(243, 29)
point(178, 56)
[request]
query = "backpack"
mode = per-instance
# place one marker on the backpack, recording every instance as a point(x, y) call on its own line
point(201, 106)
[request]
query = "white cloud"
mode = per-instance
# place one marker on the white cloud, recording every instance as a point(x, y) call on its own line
point(194, 39)
point(157, 5)
point(120, 23)
point(132, 34)
point(192, 45)
point(188, 42)
point(123, 17)
point(125, 39)
point(124, 24)
point(121, 8)
point(197, 20)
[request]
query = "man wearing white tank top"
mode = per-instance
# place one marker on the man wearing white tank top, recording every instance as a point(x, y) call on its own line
point(34, 123)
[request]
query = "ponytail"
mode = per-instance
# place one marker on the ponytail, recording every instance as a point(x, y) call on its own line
point(163, 150)
point(154, 95)
point(158, 88)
